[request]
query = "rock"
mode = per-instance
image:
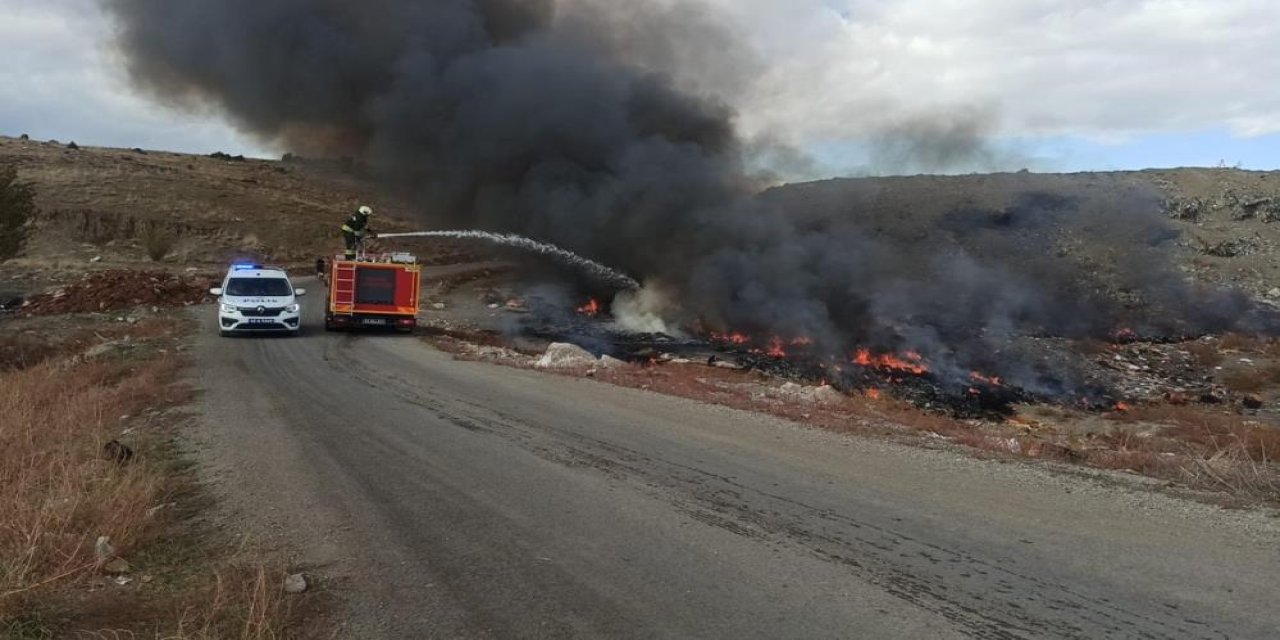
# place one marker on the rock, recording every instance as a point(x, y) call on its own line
point(1188, 209)
point(122, 580)
point(1274, 293)
point(295, 583)
point(95, 259)
point(116, 566)
point(561, 355)
point(1231, 248)
point(99, 350)
point(493, 305)
point(439, 306)
point(120, 453)
point(826, 394)
point(1251, 402)
point(72, 145)
point(610, 362)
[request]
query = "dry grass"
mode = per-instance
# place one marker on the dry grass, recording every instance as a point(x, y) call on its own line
point(243, 602)
point(1252, 379)
point(1240, 342)
point(1205, 354)
point(61, 493)
point(157, 242)
point(1204, 449)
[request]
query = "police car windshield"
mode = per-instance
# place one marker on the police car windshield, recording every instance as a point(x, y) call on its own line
point(258, 287)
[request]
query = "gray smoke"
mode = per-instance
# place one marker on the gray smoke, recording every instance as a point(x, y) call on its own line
point(957, 140)
point(600, 127)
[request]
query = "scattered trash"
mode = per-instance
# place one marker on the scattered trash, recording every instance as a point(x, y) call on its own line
point(103, 549)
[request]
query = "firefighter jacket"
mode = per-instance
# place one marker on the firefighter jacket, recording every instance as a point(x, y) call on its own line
point(358, 225)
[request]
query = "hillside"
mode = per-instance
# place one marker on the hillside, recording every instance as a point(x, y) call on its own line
point(1225, 217)
point(100, 203)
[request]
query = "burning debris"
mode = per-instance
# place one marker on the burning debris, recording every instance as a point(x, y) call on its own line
point(591, 308)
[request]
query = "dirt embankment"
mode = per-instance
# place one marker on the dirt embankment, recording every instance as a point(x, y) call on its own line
point(121, 289)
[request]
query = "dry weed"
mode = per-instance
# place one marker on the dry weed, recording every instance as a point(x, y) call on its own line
point(61, 493)
point(1252, 380)
point(241, 602)
point(1206, 355)
point(157, 242)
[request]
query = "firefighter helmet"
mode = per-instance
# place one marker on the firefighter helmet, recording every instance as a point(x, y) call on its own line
point(365, 210)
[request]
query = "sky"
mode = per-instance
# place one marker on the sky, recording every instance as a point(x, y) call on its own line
point(1063, 85)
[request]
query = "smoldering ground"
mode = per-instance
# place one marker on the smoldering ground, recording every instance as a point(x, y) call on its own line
point(607, 128)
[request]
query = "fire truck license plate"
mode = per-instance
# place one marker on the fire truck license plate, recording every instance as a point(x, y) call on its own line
point(374, 321)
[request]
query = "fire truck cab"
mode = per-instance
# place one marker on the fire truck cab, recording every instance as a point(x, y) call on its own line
point(373, 291)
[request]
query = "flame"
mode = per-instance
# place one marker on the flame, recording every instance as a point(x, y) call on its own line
point(1123, 407)
point(1124, 334)
point(873, 394)
point(991, 380)
point(591, 308)
point(775, 348)
point(731, 338)
point(910, 361)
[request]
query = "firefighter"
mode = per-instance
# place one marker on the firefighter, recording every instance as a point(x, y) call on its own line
point(355, 230)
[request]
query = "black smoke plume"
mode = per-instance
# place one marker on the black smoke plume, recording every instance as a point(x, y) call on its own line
point(600, 126)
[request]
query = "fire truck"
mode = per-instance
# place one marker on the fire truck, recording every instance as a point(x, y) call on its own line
point(373, 291)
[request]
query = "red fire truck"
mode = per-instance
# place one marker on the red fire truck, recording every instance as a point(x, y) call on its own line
point(373, 291)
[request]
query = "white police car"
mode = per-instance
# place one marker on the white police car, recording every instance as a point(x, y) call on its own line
point(255, 299)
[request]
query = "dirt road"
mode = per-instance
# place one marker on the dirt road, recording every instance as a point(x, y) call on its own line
point(456, 499)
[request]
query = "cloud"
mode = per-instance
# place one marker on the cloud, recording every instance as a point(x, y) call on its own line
point(1099, 69)
point(61, 79)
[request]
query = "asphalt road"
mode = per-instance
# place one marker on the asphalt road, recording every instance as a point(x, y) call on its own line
point(456, 499)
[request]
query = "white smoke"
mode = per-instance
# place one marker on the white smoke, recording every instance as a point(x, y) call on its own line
point(646, 310)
